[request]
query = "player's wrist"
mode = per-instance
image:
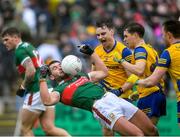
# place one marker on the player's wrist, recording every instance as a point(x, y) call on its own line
point(122, 60)
point(42, 80)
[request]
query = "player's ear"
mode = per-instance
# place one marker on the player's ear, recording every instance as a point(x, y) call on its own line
point(112, 31)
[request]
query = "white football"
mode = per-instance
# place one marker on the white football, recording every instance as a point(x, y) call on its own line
point(71, 65)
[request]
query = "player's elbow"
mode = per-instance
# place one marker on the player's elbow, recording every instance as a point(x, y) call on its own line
point(31, 73)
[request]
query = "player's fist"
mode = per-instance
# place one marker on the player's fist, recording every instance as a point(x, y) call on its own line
point(132, 79)
point(134, 96)
point(86, 49)
point(118, 57)
point(21, 92)
point(44, 71)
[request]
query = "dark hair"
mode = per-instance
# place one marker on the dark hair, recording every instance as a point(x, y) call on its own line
point(11, 31)
point(135, 28)
point(52, 62)
point(104, 22)
point(173, 26)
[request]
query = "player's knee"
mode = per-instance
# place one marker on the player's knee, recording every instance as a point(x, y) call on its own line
point(48, 128)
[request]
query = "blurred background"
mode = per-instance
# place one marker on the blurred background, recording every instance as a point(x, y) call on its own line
point(56, 27)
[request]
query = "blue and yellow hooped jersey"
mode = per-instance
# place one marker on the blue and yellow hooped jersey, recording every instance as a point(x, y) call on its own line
point(147, 53)
point(170, 60)
point(117, 74)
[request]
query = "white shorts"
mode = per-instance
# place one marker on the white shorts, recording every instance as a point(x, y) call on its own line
point(32, 102)
point(110, 108)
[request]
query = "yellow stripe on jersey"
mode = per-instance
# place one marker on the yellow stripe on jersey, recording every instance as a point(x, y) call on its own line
point(128, 58)
point(162, 61)
point(140, 54)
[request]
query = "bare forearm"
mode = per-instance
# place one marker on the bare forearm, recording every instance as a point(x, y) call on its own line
point(45, 95)
point(135, 69)
point(27, 80)
point(29, 73)
point(146, 83)
point(99, 65)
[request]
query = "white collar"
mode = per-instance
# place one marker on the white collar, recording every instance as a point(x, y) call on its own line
point(18, 44)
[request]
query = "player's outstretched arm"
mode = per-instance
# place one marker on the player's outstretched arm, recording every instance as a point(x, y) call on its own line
point(101, 70)
point(153, 79)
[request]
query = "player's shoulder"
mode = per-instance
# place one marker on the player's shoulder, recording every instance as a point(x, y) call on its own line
point(99, 47)
point(120, 44)
point(120, 47)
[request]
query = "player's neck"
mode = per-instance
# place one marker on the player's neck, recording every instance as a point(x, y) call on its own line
point(110, 45)
point(139, 42)
point(19, 42)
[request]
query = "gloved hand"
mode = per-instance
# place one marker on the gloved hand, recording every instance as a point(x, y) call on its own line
point(21, 91)
point(86, 49)
point(132, 79)
point(118, 57)
point(135, 95)
point(117, 92)
point(44, 71)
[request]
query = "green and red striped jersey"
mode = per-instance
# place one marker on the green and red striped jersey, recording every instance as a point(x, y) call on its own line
point(23, 52)
point(79, 92)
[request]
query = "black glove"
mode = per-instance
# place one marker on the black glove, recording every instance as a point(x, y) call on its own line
point(117, 92)
point(44, 71)
point(86, 49)
point(21, 92)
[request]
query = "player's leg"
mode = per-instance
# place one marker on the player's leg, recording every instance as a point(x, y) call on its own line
point(153, 105)
point(144, 123)
point(107, 132)
point(154, 120)
point(28, 119)
point(47, 123)
point(123, 126)
point(178, 111)
point(114, 113)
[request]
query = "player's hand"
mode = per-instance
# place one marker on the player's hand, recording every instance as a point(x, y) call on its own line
point(132, 79)
point(21, 91)
point(135, 95)
point(118, 57)
point(86, 49)
point(117, 92)
point(44, 71)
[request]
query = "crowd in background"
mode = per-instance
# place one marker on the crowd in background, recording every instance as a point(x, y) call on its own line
point(56, 27)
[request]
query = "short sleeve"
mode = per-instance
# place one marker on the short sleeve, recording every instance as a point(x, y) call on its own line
point(127, 54)
point(140, 53)
point(164, 60)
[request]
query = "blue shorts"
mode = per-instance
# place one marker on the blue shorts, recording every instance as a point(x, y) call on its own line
point(178, 111)
point(153, 104)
